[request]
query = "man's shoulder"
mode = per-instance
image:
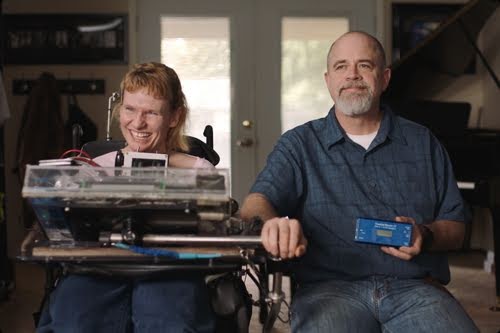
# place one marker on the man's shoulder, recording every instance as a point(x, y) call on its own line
point(416, 134)
point(310, 128)
point(404, 123)
point(308, 136)
point(409, 126)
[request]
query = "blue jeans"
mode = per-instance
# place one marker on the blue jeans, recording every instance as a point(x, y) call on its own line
point(378, 304)
point(82, 303)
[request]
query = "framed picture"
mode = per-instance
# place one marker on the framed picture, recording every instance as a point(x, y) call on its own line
point(64, 38)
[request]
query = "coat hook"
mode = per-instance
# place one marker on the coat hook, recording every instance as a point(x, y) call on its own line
point(92, 83)
point(25, 87)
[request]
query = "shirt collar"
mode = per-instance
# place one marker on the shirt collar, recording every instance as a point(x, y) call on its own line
point(334, 133)
point(389, 128)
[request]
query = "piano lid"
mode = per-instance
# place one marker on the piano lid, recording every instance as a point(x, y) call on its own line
point(443, 55)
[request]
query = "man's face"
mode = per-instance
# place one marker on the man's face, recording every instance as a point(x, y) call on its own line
point(355, 77)
point(145, 122)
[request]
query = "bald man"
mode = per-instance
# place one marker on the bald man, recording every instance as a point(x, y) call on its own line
point(362, 160)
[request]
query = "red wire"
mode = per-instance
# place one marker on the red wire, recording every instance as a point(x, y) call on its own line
point(81, 152)
point(86, 160)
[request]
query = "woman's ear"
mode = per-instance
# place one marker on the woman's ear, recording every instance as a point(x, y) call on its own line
point(174, 118)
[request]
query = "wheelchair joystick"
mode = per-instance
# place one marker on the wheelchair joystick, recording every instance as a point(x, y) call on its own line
point(114, 96)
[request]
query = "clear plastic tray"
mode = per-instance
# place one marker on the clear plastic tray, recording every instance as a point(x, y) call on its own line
point(65, 198)
point(94, 183)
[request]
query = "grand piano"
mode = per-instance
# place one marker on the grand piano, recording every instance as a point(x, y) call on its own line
point(443, 56)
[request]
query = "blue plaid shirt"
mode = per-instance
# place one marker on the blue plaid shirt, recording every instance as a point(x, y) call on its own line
point(321, 177)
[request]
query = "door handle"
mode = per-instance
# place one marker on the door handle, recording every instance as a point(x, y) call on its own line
point(245, 142)
point(247, 123)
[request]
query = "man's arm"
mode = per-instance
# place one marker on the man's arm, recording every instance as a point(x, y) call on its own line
point(281, 236)
point(446, 235)
point(256, 204)
point(441, 235)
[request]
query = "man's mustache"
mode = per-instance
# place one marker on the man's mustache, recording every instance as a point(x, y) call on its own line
point(362, 85)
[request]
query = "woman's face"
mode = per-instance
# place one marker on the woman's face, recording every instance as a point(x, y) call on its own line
point(145, 122)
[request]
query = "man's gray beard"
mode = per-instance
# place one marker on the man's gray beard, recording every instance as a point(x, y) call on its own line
point(355, 104)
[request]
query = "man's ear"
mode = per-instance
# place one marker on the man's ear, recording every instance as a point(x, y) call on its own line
point(386, 76)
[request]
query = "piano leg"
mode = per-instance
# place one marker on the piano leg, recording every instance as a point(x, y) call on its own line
point(494, 191)
point(495, 214)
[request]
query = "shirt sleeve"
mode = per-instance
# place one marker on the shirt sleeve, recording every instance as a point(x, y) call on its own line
point(106, 160)
point(202, 163)
point(281, 179)
point(450, 203)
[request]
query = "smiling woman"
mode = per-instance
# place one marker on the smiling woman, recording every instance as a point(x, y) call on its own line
point(152, 114)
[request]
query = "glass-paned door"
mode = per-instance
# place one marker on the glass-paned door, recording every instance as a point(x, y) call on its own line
point(305, 42)
point(198, 49)
point(250, 68)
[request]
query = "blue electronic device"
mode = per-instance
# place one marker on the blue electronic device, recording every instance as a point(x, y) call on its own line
point(383, 232)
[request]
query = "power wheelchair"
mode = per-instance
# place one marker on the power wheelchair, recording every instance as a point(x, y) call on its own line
point(237, 244)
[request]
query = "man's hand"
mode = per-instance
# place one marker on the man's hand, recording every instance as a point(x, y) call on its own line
point(283, 237)
point(406, 252)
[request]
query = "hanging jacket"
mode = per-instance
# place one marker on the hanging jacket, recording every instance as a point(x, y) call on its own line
point(41, 133)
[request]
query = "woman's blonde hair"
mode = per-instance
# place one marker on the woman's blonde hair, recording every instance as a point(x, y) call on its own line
point(161, 82)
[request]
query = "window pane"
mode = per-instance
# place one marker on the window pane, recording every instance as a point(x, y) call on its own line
point(198, 49)
point(305, 44)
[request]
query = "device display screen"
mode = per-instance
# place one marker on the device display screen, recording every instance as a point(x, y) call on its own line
point(384, 233)
point(143, 160)
point(147, 162)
